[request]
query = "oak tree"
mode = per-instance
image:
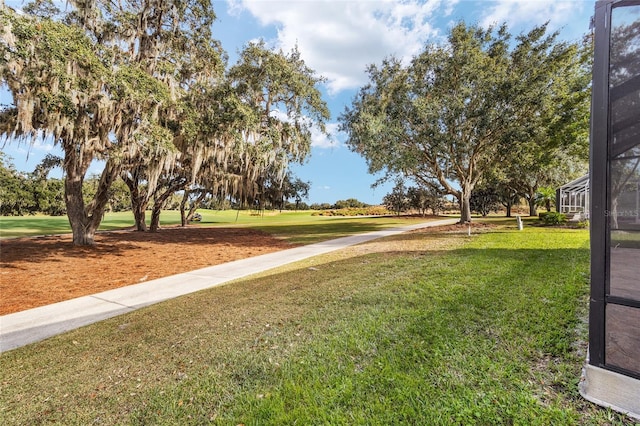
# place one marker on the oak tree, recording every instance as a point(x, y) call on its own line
point(458, 109)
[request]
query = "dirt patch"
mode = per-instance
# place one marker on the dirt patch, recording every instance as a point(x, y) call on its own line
point(43, 270)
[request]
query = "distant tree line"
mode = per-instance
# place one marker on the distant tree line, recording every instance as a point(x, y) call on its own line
point(28, 193)
point(35, 192)
point(494, 197)
point(485, 199)
point(349, 203)
point(420, 199)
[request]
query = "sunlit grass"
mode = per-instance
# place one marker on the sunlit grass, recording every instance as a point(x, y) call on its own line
point(297, 227)
point(419, 328)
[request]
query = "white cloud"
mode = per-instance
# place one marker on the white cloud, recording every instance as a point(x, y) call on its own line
point(36, 147)
point(339, 39)
point(42, 145)
point(527, 13)
point(321, 140)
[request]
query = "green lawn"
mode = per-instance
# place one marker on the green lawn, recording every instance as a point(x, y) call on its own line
point(424, 329)
point(297, 227)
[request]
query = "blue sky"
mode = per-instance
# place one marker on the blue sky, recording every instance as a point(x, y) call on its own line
point(338, 39)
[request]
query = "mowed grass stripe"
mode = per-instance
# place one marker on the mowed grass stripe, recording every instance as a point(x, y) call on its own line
point(414, 329)
point(298, 227)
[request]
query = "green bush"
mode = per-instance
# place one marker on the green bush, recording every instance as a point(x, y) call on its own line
point(582, 224)
point(364, 211)
point(553, 218)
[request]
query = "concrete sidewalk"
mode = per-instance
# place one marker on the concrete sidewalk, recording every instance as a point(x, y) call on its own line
point(33, 325)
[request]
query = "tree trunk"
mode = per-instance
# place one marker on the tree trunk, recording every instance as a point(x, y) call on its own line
point(532, 206)
point(155, 216)
point(78, 219)
point(183, 203)
point(197, 203)
point(160, 201)
point(185, 217)
point(139, 211)
point(465, 204)
point(139, 214)
point(139, 202)
point(508, 207)
point(85, 219)
point(530, 195)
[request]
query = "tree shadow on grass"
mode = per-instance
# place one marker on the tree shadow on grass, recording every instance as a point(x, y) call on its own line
point(121, 243)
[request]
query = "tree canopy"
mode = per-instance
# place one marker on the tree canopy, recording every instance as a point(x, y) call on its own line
point(142, 85)
point(459, 109)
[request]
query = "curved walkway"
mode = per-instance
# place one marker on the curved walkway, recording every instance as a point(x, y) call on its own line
point(33, 325)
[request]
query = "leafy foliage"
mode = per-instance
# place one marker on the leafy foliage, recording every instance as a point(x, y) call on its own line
point(553, 218)
point(484, 200)
point(349, 203)
point(420, 199)
point(15, 198)
point(459, 110)
point(397, 200)
point(353, 211)
point(36, 192)
point(546, 197)
point(142, 86)
point(423, 198)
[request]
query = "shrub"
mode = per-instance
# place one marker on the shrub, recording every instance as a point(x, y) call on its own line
point(582, 224)
point(365, 211)
point(553, 218)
